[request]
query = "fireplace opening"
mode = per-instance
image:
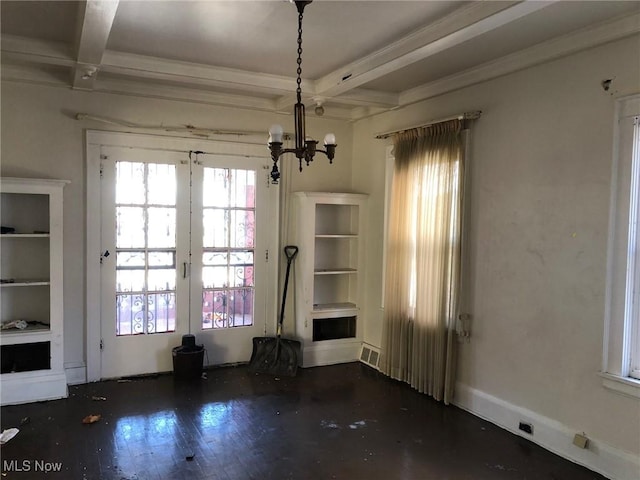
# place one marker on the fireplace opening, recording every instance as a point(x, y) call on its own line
point(334, 328)
point(26, 357)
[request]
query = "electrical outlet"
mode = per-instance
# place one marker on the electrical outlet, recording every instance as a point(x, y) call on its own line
point(580, 440)
point(526, 428)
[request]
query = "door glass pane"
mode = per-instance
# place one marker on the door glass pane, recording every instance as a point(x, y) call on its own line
point(243, 189)
point(242, 227)
point(229, 240)
point(162, 279)
point(215, 258)
point(162, 227)
point(161, 310)
point(130, 259)
point(130, 183)
point(216, 187)
point(129, 280)
point(242, 276)
point(145, 223)
point(129, 314)
point(129, 227)
point(161, 186)
point(214, 309)
point(162, 259)
point(241, 307)
point(215, 228)
point(242, 258)
point(213, 277)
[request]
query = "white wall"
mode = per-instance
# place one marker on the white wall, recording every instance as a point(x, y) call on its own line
point(40, 138)
point(541, 173)
point(541, 170)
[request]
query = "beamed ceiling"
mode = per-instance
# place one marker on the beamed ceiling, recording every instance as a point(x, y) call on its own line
point(360, 57)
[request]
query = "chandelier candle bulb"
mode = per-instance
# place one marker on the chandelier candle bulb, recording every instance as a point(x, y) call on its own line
point(275, 134)
point(329, 139)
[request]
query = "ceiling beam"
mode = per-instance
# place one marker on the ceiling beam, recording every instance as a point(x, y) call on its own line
point(461, 26)
point(95, 20)
point(144, 66)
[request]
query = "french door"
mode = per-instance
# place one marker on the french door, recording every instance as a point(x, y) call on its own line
point(185, 240)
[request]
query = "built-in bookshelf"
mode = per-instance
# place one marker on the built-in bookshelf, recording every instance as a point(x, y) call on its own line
point(329, 234)
point(31, 290)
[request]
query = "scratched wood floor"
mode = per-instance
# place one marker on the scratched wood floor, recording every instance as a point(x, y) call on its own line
point(339, 422)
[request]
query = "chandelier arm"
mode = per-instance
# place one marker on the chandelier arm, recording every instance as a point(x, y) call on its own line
point(329, 152)
point(288, 150)
point(282, 151)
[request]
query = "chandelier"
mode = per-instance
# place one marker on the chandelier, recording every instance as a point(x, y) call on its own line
point(305, 148)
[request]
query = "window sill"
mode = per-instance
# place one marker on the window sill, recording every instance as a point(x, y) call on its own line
point(625, 385)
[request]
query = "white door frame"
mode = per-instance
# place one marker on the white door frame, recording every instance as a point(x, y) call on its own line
point(94, 140)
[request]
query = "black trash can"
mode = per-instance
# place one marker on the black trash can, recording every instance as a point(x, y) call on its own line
point(187, 362)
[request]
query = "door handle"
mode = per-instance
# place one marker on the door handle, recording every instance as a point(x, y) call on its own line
point(184, 269)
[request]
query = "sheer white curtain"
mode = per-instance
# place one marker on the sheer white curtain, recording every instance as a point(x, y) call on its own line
point(424, 259)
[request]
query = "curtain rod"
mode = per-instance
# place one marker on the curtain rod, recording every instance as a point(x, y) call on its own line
point(463, 116)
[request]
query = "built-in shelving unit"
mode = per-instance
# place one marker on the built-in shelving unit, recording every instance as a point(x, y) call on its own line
point(31, 295)
point(328, 233)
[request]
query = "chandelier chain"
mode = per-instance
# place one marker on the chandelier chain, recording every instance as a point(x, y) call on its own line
point(299, 70)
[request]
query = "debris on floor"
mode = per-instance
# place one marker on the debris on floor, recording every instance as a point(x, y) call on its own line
point(189, 458)
point(7, 435)
point(329, 424)
point(358, 424)
point(25, 420)
point(91, 419)
point(98, 399)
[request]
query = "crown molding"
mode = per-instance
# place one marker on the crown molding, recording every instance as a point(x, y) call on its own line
point(550, 50)
point(181, 93)
point(31, 50)
point(29, 74)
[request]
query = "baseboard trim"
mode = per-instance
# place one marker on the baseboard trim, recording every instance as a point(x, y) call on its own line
point(549, 434)
point(76, 373)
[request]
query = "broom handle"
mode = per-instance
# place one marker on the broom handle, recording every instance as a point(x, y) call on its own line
point(290, 251)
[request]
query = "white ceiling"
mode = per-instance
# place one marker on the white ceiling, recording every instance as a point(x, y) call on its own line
point(360, 57)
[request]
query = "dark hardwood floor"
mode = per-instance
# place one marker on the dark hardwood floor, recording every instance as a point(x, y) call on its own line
point(338, 422)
